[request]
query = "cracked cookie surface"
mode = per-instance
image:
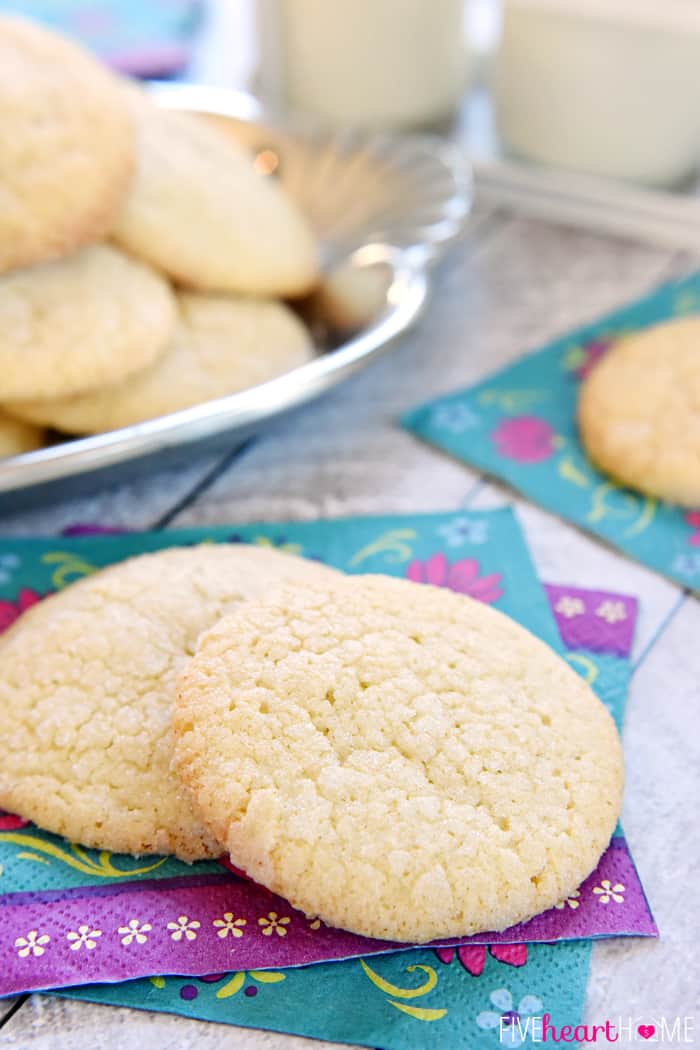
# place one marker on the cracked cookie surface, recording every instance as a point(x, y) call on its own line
point(399, 760)
point(87, 686)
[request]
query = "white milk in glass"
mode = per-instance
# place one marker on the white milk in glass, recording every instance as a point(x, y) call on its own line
point(368, 63)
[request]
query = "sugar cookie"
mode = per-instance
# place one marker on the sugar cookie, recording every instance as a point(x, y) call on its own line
point(639, 411)
point(87, 685)
point(400, 760)
point(75, 324)
point(221, 345)
point(67, 146)
point(198, 210)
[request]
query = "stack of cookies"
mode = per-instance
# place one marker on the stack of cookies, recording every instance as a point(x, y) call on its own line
point(142, 256)
point(396, 759)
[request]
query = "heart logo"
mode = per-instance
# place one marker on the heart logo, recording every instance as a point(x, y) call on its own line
point(646, 1030)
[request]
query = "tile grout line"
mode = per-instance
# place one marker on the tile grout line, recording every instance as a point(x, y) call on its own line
point(660, 630)
point(474, 491)
point(14, 1009)
point(202, 485)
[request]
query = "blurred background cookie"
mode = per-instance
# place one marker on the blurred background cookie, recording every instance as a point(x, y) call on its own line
point(639, 412)
point(67, 146)
point(198, 210)
point(75, 324)
point(221, 345)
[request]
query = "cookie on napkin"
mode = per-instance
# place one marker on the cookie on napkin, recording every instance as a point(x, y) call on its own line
point(198, 210)
point(75, 324)
point(67, 145)
point(639, 412)
point(87, 686)
point(221, 345)
point(397, 759)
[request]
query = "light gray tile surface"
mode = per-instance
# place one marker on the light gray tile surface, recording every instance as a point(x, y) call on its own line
point(6, 1006)
point(136, 504)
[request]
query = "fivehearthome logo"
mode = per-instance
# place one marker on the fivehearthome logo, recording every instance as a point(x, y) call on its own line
point(516, 1029)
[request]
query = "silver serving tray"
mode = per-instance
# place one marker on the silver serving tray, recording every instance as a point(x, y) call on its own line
point(374, 200)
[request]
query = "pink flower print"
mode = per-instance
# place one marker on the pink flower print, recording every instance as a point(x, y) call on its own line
point(462, 576)
point(9, 822)
point(525, 439)
point(226, 862)
point(693, 519)
point(10, 611)
point(473, 956)
point(511, 954)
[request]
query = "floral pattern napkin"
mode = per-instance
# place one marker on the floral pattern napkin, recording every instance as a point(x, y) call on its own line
point(520, 425)
point(74, 915)
point(472, 998)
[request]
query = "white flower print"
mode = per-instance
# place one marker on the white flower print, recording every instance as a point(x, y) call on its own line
point(184, 927)
point(607, 892)
point(572, 901)
point(464, 530)
point(134, 931)
point(687, 564)
point(569, 606)
point(611, 611)
point(8, 564)
point(32, 944)
point(454, 417)
point(513, 1027)
point(85, 936)
point(229, 925)
point(274, 924)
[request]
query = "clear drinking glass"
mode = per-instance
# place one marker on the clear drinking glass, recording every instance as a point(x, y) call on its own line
point(367, 63)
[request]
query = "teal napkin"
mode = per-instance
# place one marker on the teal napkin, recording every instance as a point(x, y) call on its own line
point(396, 1002)
point(520, 425)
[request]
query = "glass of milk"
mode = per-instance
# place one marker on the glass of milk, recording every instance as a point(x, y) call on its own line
point(366, 63)
point(607, 87)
